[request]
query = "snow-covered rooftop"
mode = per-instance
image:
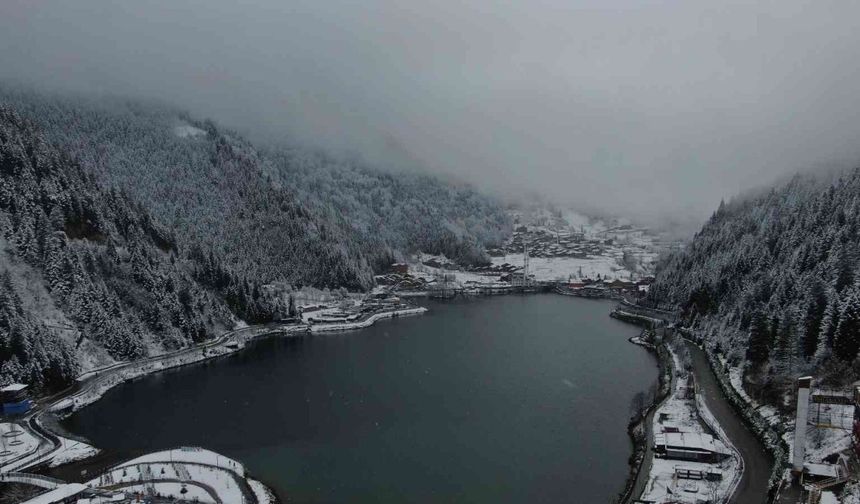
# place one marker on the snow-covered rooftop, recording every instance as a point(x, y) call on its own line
point(14, 387)
point(689, 441)
point(821, 470)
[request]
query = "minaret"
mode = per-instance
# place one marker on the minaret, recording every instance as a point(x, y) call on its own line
point(525, 265)
point(803, 385)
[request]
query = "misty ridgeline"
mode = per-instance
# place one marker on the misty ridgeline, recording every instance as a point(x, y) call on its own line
point(135, 230)
point(130, 229)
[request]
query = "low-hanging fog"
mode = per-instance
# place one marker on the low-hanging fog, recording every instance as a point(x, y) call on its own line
point(649, 108)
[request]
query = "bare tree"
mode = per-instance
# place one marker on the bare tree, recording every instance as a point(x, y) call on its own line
point(637, 405)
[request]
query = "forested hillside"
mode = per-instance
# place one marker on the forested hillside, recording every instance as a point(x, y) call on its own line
point(408, 212)
point(289, 215)
point(112, 269)
point(773, 280)
point(130, 228)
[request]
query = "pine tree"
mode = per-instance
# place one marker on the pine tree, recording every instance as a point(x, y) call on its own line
point(846, 341)
point(829, 323)
point(774, 331)
point(759, 337)
point(844, 271)
point(291, 309)
point(784, 345)
point(812, 319)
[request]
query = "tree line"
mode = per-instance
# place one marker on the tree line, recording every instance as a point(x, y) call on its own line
point(773, 281)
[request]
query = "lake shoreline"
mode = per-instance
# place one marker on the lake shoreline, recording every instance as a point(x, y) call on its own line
point(595, 317)
point(638, 429)
point(108, 457)
point(92, 385)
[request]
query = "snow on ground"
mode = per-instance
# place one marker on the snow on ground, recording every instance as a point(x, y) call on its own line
point(560, 268)
point(576, 233)
point(190, 465)
point(192, 493)
point(186, 131)
point(36, 300)
point(680, 412)
point(820, 442)
point(824, 441)
point(828, 498)
point(369, 321)
point(127, 371)
point(31, 452)
point(72, 450)
point(264, 495)
point(191, 455)
point(769, 413)
point(15, 442)
point(851, 494)
point(225, 484)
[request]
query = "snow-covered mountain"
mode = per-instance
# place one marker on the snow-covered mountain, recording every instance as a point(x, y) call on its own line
point(129, 228)
point(772, 281)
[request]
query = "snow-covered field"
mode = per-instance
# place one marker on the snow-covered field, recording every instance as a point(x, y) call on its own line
point(586, 248)
point(15, 442)
point(560, 268)
point(35, 450)
point(192, 455)
point(72, 450)
point(190, 493)
point(166, 473)
point(569, 244)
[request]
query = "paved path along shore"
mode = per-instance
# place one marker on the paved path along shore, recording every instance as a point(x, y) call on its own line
point(758, 462)
point(90, 386)
point(643, 476)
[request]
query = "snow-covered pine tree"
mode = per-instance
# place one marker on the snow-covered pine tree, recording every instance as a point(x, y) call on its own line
point(784, 345)
point(829, 323)
point(813, 315)
point(846, 341)
point(759, 339)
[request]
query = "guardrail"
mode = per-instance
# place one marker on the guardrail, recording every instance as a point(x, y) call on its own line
point(712, 423)
point(31, 479)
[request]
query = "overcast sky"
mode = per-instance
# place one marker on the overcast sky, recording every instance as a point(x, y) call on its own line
point(641, 106)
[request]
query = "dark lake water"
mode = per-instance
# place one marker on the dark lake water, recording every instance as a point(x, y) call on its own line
point(505, 399)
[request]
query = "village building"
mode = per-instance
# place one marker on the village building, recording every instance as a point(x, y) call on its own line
point(15, 399)
point(400, 268)
point(693, 446)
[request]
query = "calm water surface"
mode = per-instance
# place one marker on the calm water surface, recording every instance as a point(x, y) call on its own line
point(505, 399)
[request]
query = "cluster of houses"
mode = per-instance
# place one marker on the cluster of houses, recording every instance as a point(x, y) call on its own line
point(348, 310)
point(507, 278)
point(606, 288)
point(543, 243)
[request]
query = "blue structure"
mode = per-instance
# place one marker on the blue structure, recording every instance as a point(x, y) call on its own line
point(15, 399)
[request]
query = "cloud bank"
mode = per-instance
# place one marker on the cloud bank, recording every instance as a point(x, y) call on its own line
point(648, 108)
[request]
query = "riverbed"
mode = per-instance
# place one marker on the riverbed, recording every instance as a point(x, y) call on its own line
point(506, 399)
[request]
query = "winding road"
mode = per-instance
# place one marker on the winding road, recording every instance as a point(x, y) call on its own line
point(91, 385)
point(100, 380)
point(754, 484)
